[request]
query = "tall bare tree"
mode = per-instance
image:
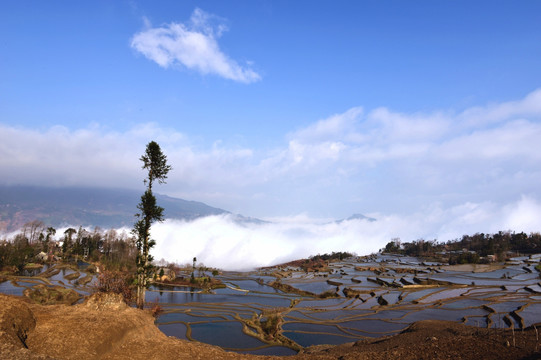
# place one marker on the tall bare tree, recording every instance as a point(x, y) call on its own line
point(32, 230)
point(155, 162)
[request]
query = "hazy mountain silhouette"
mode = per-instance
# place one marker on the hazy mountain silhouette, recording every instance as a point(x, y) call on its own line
point(90, 207)
point(357, 217)
point(106, 208)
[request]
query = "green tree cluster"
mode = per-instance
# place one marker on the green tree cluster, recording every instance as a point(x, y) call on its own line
point(472, 247)
point(340, 255)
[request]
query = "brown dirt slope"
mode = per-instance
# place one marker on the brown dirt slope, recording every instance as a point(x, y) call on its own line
point(432, 339)
point(105, 328)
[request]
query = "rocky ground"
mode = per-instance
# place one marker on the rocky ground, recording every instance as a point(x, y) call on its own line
point(105, 328)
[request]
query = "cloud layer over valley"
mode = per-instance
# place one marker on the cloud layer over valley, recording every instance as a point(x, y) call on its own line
point(220, 241)
point(438, 174)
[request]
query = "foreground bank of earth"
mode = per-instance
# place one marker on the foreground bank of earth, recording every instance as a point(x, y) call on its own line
point(105, 328)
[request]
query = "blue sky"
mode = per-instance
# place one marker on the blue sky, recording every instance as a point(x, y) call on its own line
point(284, 109)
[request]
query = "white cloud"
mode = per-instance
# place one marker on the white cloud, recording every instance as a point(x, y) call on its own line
point(515, 139)
point(96, 156)
point(194, 46)
point(529, 107)
point(421, 152)
point(219, 241)
point(91, 156)
point(351, 162)
point(336, 126)
point(524, 215)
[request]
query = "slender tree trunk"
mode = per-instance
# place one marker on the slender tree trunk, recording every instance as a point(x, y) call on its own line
point(144, 279)
point(143, 276)
point(140, 291)
point(142, 282)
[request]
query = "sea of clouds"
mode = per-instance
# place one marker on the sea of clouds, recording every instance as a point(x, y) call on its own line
point(224, 242)
point(227, 242)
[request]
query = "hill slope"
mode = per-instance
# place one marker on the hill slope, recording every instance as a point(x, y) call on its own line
point(105, 208)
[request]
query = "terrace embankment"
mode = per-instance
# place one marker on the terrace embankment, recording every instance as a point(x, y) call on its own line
point(105, 328)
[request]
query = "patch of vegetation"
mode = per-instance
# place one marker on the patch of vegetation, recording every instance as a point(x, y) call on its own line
point(35, 245)
point(51, 295)
point(457, 251)
point(320, 263)
point(72, 276)
point(351, 293)
point(115, 282)
point(53, 270)
point(290, 289)
point(315, 265)
point(84, 280)
point(268, 328)
point(91, 269)
point(293, 290)
point(328, 294)
point(271, 325)
point(464, 258)
point(203, 282)
point(30, 266)
point(334, 256)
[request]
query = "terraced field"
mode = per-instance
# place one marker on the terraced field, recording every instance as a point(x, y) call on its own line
point(374, 296)
point(366, 297)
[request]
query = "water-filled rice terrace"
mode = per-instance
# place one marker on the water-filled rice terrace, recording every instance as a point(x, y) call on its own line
point(375, 296)
point(367, 297)
point(66, 277)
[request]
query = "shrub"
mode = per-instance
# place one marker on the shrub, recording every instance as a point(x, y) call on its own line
point(115, 282)
point(328, 294)
point(464, 258)
point(270, 325)
point(154, 308)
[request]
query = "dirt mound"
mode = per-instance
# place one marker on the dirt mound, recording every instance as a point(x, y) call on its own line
point(431, 339)
point(103, 327)
point(16, 323)
point(106, 328)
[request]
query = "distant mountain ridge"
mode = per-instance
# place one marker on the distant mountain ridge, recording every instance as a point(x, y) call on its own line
point(358, 217)
point(106, 208)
